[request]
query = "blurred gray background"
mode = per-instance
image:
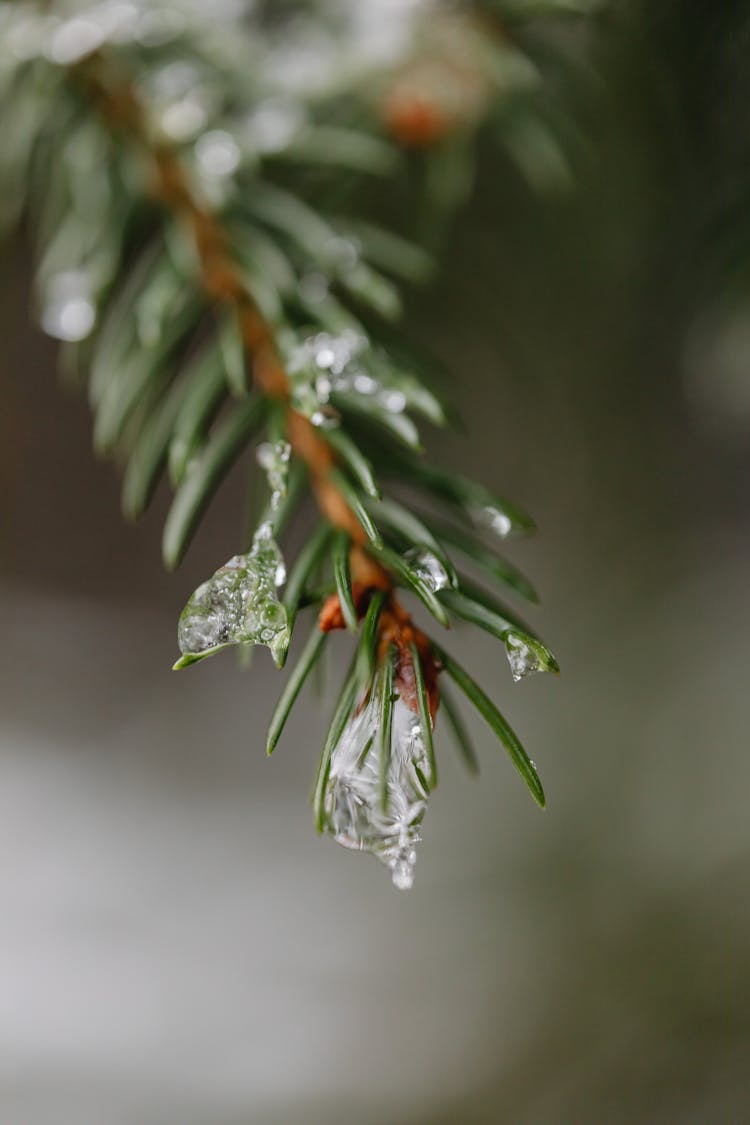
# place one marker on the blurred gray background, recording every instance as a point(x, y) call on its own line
point(178, 946)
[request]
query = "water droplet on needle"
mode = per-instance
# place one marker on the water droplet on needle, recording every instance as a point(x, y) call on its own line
point(68, 312)
point(354, 812)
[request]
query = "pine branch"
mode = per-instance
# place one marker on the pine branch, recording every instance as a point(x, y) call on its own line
point(210, 304)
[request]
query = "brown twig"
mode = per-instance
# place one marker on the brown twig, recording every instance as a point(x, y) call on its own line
point(119, 105)
point(221, 280)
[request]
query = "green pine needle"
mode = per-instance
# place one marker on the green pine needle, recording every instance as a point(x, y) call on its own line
point(368, 638)
point(308, 658)
point(459, 730)
point(304, 565)
point(356, 463)
point(385, 699)
point(339, 720)
point(357, 506)
point(425, 721)
point(342, 575)
point(496, 722)
point(206, 474)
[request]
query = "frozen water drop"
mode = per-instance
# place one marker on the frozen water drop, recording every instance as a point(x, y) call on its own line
point(325, 357)
point(322, 365)
point(323, 388)
point(402, 873)
point(69, 312)
point(353, 808)
point(72, 320)
point(429, 568)
point(365, 384)
point(183, 119)
point(218, 153)
point(523, 659)
point(495, 520)
point(393, 401)
point(274, 458)
point(325, 419)
point(239, 603)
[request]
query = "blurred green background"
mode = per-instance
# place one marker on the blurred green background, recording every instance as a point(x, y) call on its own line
point(178, 946)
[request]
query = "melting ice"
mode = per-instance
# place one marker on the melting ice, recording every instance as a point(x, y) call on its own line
point(491, 517)
point(325, 364)
point(354, 811)
point(273, 458)
point(239, 604)
point(69, 312)
point(522, 657)
point(428, 567)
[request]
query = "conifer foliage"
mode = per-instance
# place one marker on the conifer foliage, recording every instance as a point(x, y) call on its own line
point(191, 179)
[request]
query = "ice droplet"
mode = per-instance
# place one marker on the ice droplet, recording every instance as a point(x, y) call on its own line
point(354, 812)
point(239, 604)
point(326, 357)
point(218, 153)
point(324, 364)
point(495, 520)
point(273, 458)
point(402, 872)
point(523, 659)
point(428, 567)
point(183, 119)
point(321, 364)
point(325, 419)
point(69, 312)
point(393, 401)
point(365, 384)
